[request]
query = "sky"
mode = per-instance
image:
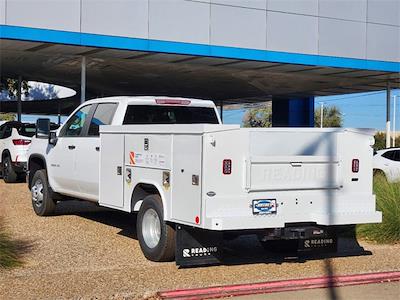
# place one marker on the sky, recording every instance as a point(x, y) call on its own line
point(363, 110)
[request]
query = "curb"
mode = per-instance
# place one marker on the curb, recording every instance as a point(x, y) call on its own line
point(279, 286)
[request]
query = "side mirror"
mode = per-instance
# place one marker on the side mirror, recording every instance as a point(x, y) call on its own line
point(52, 138)
point(43, 128)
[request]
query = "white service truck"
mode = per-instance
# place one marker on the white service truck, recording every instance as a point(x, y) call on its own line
point(191, 179)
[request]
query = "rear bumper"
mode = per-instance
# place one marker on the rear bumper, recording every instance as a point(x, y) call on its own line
point(236, 214)
point(263, 222)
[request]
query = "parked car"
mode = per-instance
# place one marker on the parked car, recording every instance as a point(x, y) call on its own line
point(15, 138)
point(387, 163)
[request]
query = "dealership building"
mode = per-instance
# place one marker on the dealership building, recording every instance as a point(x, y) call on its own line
point(230, 51)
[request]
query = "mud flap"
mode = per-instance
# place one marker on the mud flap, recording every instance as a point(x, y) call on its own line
point(197, 247)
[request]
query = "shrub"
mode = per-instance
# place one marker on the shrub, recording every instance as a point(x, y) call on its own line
point(388, 202)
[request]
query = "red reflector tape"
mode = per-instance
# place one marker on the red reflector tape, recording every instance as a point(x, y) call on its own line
point(355, 165)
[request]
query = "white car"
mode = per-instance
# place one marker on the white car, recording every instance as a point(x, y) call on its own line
point(387, 162)
point(15, 138)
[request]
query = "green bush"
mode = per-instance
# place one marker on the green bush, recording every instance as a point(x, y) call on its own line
point(10, 250)
point(388, 202)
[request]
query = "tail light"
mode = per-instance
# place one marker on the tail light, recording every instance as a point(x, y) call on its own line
point(227, 166)
point(21, 142)
point(355, 165)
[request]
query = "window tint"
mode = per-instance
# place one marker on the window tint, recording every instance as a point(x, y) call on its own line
point(396, 156)
point(103, 116)
point(2, 131)
point(389, 155)
point(28, 130)
point(75, 124)
point(153, 114)
point(7, 131)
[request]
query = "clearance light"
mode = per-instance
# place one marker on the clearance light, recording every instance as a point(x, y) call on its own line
point(173, 102)
point(355, 165)
point(227, 166)
point(21, 142)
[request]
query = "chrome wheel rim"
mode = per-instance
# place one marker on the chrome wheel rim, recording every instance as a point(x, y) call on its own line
point(151, 228)
point(37, 193)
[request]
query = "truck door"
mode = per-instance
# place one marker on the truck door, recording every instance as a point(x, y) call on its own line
point(88, 151)
point(61, 158)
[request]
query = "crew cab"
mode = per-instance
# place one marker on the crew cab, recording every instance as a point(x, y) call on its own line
point(192, 179)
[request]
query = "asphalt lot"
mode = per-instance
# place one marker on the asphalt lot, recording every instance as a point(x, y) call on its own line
point(87, 252)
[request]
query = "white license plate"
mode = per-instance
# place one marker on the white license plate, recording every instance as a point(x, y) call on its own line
point(264, 206)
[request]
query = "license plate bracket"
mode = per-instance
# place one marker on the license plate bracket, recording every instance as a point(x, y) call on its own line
point(264, 206)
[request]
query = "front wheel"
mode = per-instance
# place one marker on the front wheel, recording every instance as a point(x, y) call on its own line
point(42, 202)
point(156, 237)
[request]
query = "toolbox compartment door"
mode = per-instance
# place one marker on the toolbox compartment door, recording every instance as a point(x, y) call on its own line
point(186, 179)
point(111, 186)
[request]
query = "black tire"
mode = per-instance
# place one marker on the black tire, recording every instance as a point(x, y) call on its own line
point(164, 249)
point(22, 177)
point(9, 174)
point(42, 202)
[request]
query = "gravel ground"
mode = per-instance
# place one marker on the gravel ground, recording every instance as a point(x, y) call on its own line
point(87, 252)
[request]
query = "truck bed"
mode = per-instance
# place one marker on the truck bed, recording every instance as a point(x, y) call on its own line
point(276, 175)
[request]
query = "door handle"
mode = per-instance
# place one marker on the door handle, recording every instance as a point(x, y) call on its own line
point(97, 148)
point(71, 147)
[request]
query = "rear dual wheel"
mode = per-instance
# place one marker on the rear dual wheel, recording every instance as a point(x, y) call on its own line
point(156, 237)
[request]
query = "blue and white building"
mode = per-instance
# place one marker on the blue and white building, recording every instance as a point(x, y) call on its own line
point(231, 51)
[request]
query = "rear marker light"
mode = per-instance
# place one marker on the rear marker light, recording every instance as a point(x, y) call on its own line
point(227, 166)
point(355, 165)
point(173, 101)
point(197, 220)
point(21, 142)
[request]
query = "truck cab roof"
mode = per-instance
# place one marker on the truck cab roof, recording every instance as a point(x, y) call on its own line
point(154, 100)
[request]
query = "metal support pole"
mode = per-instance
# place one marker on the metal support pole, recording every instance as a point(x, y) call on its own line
point(322, 114)
point(221, 109)
point(388, 115)
point(59, 111)
point(394, 121)
point(19, 96)
point(83, 79)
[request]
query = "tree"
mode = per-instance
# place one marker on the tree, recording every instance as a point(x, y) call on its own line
point(258, 117)
point(332, 117)
point(380, 141)
point(9, 88)
point(7, 117)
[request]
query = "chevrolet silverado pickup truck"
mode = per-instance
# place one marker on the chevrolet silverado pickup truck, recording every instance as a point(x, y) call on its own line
point(192, 179)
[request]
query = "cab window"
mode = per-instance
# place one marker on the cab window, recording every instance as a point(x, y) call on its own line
point(74, 125)
point(103, 116)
